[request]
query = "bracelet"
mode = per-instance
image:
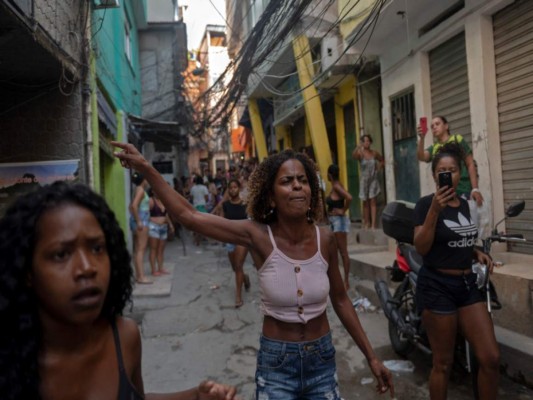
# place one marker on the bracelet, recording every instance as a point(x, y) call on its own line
point(475, 190)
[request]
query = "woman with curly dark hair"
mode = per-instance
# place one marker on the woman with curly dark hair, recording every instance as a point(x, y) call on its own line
point(446, 292)
point(65, 278)
point(297, 264)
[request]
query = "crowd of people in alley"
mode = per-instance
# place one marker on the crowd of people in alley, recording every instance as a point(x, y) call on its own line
point(66, 274)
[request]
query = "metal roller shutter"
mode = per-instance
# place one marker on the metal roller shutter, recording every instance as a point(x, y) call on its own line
point(449, 85)
point(513, 47)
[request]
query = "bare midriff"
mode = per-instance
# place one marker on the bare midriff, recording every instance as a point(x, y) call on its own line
point(295, 332)
point(455, 272)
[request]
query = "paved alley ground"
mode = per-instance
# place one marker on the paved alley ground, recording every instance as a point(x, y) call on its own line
point(192, 331)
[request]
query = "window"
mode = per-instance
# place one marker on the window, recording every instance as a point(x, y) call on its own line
point(403, 115)
point(127, 40)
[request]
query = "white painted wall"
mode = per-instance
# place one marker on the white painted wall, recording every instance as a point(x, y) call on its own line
point(402, 68)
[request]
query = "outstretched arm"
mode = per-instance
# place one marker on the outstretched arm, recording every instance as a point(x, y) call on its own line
point(346, 312)
point(238, 231)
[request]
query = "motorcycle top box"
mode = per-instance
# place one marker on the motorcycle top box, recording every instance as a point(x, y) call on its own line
point(397, 220)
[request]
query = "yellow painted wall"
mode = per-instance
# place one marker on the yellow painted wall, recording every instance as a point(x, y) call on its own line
point(353, 13)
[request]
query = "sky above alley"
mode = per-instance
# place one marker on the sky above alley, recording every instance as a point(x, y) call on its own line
point(201, 13)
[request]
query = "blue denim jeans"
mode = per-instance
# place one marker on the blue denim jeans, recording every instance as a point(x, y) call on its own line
point(296, 370)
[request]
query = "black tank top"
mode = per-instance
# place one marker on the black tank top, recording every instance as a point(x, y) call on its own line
point(234, 211)
point(334, 203)
point(126, 390)
point(155, 211)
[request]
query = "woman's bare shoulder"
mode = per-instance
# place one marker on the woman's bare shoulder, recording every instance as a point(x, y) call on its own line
point(130, 337)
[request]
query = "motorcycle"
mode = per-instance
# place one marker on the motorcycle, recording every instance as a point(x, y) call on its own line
point(406, 331)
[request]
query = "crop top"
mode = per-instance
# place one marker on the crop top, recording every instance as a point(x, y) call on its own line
point(293, 291)
point(155, 211)
point(144, 205)
point(455, 235)
point(334, 203)
point(126, 390)
point(234, 211)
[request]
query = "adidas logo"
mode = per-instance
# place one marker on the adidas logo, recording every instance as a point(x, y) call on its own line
point(466, 228)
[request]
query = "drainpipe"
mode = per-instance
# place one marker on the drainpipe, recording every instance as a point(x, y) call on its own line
point(87, 100)
point(359, 118)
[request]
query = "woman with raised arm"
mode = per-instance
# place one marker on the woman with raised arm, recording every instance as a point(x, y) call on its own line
point(297, 264)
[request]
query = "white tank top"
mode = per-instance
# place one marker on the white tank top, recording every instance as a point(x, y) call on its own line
point(293, 291)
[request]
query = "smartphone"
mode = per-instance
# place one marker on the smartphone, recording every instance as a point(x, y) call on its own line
point(445, 179)
point(424, 125)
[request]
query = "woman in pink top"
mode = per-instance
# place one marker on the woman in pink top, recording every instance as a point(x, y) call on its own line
point(297, 264)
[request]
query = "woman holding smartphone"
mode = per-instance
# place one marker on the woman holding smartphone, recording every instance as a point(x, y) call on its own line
point(447, 294)
point(371, 162)
point(468, 184)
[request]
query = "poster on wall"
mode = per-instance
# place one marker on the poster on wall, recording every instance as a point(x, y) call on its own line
point(17, 179)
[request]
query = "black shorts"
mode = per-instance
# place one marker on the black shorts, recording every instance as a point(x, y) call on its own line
point(445, 294)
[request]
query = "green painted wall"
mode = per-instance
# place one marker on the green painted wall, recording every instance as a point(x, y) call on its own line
point(119, 78)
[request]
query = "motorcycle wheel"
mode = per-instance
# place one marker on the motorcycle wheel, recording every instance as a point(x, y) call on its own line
point(401, 345)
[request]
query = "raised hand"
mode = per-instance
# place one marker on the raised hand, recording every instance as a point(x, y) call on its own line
point(130, 157)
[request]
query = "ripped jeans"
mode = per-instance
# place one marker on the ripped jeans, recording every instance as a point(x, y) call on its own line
point(296, 370)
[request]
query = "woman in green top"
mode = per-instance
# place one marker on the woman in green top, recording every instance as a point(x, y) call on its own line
point(468, 184)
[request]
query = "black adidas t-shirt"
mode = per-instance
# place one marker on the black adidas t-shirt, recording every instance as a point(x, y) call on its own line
point(455, 235)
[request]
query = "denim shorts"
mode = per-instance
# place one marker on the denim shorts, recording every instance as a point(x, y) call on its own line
point(339, 223)
point(296, 370)
point(144, 216)
point(445, 294)
point(230, 247)
point(158, 231)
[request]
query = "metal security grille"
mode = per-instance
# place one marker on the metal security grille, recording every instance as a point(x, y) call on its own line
point(513, 47)
point(449, 85)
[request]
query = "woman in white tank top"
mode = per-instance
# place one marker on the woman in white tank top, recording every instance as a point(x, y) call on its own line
point(298, 270)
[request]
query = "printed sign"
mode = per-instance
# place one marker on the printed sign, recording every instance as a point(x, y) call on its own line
point(19, 178)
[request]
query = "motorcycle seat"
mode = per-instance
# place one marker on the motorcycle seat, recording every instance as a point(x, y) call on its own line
point(413, 258)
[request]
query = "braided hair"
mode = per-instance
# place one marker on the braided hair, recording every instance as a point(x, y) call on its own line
point(261, 185)
point(20, 335)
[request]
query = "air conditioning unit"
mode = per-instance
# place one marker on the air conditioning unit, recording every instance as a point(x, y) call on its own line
point(99, 4)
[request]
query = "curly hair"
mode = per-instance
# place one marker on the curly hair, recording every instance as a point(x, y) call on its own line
point(261, 184)
point(450, 149)
point(20, 335)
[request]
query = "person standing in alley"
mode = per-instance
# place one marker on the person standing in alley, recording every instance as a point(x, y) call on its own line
point(158, 228)
point(371, 162)
point(235, 209)
point(468, 184)
point(297, 265)
point(338, 203)
point(139, 220)
point(199, 195)
point(447, 292)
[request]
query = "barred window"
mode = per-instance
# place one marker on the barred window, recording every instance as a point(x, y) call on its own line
point(403, 115)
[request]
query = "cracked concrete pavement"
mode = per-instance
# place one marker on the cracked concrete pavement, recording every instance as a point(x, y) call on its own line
point(191, 331)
